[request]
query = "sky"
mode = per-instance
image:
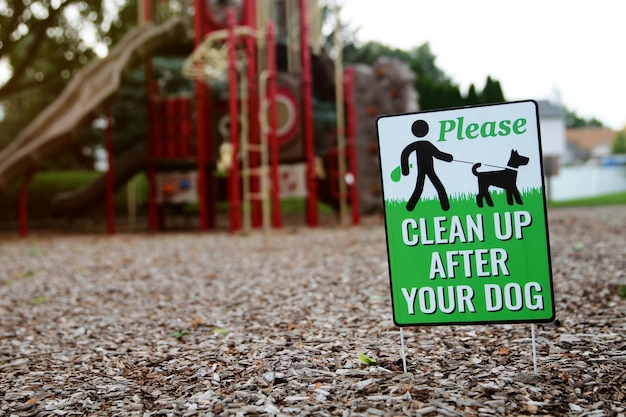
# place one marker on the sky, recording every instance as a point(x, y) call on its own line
point(573, 51)
point(570, 51)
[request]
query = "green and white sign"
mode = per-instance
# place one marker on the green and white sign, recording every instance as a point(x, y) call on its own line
point(465, 215)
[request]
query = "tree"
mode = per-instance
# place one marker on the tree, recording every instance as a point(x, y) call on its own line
point(472, 95)
point(572, 120)
point(43, 43)
point(619, 143)
point(129, 108)
point(370, 51)
point(492, 93)
point(436, 89)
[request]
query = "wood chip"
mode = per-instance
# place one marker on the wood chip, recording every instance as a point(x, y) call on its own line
point(271, 324)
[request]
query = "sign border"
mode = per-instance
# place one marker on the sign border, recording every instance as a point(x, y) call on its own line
point(545, 209)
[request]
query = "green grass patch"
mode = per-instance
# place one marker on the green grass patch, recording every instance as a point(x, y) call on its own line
point(603, 200)
point(57, 181)
point(287, 206)
point(298, 205)
point(42, 188)
point(45, 185)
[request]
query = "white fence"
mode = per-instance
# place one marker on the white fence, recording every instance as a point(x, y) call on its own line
point(586, 181)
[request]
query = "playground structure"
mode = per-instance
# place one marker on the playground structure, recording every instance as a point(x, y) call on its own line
point(272, 69)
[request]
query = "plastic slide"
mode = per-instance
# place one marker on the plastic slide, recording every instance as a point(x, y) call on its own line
point(124, 168)
point(52, 130)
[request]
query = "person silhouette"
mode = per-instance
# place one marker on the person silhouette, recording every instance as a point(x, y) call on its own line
point(426, 153)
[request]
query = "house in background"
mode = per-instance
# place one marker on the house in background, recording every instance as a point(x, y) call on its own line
point(586, 143)
point(553, 143)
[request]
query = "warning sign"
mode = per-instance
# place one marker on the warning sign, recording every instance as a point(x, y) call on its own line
point(465, 215)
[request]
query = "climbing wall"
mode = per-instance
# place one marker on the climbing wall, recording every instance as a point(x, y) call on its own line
point(387, 87)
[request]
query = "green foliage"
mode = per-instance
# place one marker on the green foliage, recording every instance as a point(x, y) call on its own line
point(39, 300)
point(366, 359)
point(436, 90)
point(369, 52)
point(621, 291)
point(619, 143)
point(44, 44)
point(472, 95)
point(44, 186)
point(51, 51)
point(129, 112)
point(572, 120)
point(492, 93)
point(179, 335)
point(129, 108)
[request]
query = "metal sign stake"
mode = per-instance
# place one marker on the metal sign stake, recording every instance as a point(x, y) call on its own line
point(403, 351)
point(532, 330)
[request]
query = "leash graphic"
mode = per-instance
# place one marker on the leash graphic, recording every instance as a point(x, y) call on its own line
point(396, 174)
point(486, 165)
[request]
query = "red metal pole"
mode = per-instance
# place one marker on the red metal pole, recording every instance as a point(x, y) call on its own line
point(155, 121)
point(201, 157)
point(185, 127)
point(202, 127)
point(234, 199)
point(210, 138)
point(153, 210)
point(273, 127)
point(23, 204)
point(110, 192)
point(352, 162)
point(148, 10)
point(154, 144)
point(170, 127)
point(307, 112)
point(198, 21)
point(180, 146)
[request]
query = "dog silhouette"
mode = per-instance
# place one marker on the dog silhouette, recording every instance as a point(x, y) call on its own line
point(505, 179)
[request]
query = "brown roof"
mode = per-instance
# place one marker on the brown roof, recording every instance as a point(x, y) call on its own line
point(589, 137)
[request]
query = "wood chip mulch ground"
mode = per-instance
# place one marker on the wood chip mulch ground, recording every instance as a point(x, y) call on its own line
point(271, 324)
